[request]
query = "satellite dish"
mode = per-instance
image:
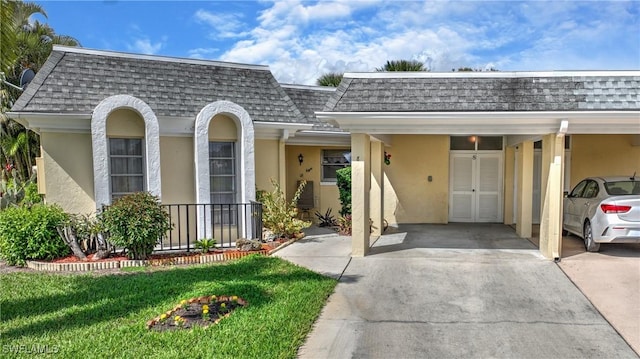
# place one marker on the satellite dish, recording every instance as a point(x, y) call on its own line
point(25, 77)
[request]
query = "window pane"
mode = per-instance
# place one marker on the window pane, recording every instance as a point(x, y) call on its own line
point(490, 143)
point(463, 143)
point(126, 165)
point(222, 184)
point(222, 198)
point(125, 146)
point(126, 184)
point(221, 166)
point(221, 149)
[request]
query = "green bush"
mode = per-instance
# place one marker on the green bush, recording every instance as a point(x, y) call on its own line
point(30, 233)
point(136, 222)
point(344, 187)
point(278, 215)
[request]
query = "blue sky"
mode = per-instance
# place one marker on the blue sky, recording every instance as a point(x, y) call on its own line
point(301, 40)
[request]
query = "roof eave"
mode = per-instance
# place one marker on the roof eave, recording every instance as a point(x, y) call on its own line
point(601, 122)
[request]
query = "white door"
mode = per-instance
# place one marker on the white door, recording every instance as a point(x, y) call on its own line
point(476, 187)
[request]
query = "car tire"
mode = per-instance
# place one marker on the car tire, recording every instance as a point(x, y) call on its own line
point(589, 243)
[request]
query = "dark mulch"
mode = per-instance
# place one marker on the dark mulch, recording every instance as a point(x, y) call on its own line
point(190, 314)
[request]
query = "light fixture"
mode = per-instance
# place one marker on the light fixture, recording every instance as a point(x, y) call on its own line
point(300, 159)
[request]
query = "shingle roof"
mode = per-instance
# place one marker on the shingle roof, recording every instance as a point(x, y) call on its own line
point(310, 99)
point(428, 92)
point(76, 80)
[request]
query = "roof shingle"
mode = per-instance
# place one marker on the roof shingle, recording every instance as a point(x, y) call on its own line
point(73, 81)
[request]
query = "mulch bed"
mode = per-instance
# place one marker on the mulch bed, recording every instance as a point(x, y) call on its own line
point(192, 313)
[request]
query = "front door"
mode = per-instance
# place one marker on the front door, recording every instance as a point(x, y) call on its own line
point(475, 193)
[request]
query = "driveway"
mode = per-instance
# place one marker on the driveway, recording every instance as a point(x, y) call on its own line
point(443, 291)
point(610, 279)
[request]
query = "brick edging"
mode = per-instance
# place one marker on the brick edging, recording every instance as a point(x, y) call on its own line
point(91, 266)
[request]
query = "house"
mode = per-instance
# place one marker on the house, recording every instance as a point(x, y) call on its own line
point(466, 147)
point(483, 147)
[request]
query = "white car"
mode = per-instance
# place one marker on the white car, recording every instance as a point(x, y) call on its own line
point(604, 210)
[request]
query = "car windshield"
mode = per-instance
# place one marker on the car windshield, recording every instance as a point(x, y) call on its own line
point(621, 188)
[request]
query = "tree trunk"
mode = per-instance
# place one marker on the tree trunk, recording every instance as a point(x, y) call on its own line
point(69, 238)
point(103, 247)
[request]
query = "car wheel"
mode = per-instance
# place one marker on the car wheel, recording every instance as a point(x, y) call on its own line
point(589, 243)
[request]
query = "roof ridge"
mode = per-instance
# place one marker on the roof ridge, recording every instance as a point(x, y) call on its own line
point(491, 74)
point(129, 55)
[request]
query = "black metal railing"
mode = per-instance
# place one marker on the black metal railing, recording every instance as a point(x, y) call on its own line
point(223, 222)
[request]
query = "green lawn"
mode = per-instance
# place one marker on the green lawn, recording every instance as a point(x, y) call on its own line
point(84, 316)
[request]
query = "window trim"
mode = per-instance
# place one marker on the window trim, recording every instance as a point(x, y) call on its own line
point(325, 180)
point(101, 112)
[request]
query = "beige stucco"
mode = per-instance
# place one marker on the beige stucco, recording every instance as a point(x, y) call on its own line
point(267, 163)
point(603, 155)
point(325, 194)
point(509, 162)
point(69, 177)
point(222, 128)
point(376, 204)
point(125, 123)
point(176, 160)
point(360, 195)
point(524, 195)
point(551, 195)
point(409, 197)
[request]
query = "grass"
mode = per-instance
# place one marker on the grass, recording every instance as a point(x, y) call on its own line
point(85, 316)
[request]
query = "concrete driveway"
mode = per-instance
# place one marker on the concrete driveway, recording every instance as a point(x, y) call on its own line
point(610, 279)
point(443, 291)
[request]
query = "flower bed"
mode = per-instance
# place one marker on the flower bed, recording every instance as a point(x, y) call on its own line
point(73, 264)
point(201, 311)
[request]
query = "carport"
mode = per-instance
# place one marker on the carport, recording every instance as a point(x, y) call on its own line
point(419, 116)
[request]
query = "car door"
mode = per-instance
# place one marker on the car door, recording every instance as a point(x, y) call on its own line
point(572, 206)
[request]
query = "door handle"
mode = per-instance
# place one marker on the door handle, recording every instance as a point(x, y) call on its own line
point(473, 190)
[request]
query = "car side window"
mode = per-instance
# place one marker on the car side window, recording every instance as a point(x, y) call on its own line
point(591, 190)
point(578, 189)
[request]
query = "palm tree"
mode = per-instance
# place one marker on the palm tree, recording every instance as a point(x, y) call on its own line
point(402, 65)
point(25, 45)
point(332, 79)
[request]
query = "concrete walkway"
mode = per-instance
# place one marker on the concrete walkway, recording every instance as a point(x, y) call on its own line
point(446, 291)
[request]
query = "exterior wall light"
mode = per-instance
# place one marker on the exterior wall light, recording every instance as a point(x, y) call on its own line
point(300, 159)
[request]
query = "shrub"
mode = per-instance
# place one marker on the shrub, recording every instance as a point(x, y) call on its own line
point(344, 223)
point(30, 233)
point(205, 244)
point(343, 176)
point(136, 222)
point(278, 215)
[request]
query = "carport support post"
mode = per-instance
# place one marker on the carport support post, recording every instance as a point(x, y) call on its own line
point(360, 187)
point(525, 189)
point(377, 187)
point(552, 186)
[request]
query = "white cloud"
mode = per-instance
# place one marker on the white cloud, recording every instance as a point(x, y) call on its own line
point(224, 25)
point(301, 40)
point(146, 46)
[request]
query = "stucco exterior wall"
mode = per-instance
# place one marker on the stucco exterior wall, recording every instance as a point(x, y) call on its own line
point(409, 197)
point(176, 160)
point(603, 155)
point(125, 123)
point(267, 164)
point(325, 195)
point(222, 128)
point(68, 167)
